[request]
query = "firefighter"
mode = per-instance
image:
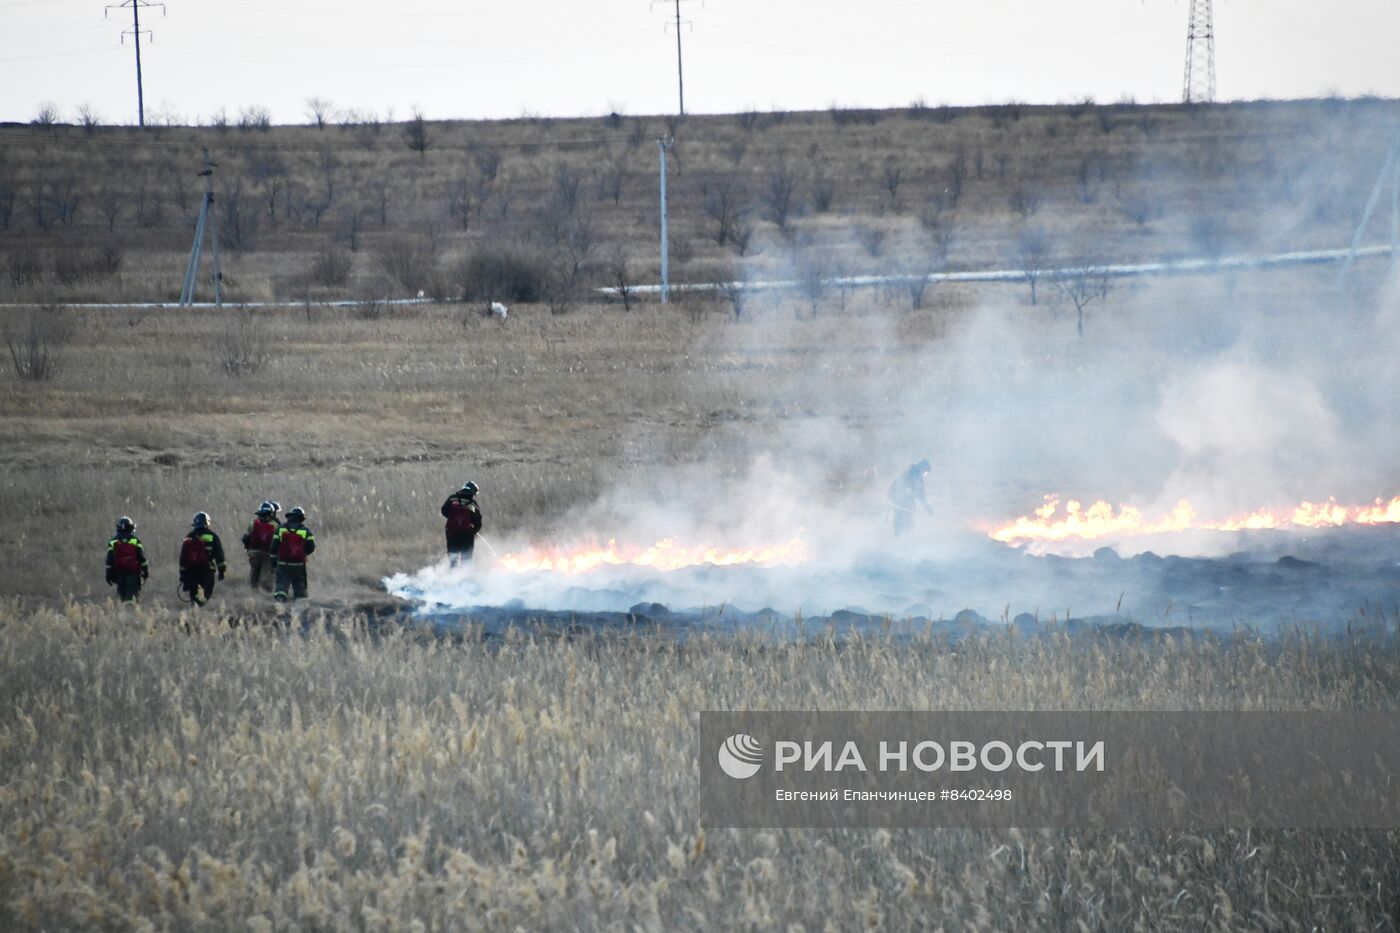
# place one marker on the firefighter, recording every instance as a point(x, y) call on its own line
point(257, 541)
point(126, 561)
point(201, 559)
point(291, 546)
point(463, 523)
point(906, 493)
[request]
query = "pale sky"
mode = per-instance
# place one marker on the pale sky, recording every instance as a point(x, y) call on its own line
point(497, 58)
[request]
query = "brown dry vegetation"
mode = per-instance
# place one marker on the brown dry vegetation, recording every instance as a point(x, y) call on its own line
point(190, 775)
point(368, 422)
point(102, 214)
point(191, 779)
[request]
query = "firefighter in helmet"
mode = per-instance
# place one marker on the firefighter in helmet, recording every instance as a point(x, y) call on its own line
point(906, 494)
point(201, 559)
point(463, 516)
point(257, 541)
point(126, 561)
point(291, 546)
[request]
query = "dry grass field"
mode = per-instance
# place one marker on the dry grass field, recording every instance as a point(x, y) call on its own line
point(169, 770)
point(215, 777)
point(370, 423)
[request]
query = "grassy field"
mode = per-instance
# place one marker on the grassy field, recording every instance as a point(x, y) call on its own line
point(370, 423)
point(190, 778)
point(178, 772)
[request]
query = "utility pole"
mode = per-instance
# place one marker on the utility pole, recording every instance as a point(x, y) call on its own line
point(206, 208)
point(135, 32)
point(661, 145)
point(1389, 175)
point(1198, 86)
point(680, 69)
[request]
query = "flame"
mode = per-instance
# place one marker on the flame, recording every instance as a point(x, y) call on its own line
point(1101, 520)
point(665, 554)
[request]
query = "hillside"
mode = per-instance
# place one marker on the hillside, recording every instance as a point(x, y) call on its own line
point(544, 208)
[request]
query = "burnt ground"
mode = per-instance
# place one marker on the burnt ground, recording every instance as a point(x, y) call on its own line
point(1334, 581)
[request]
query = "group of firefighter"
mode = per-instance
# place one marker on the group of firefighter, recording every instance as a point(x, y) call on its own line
point(277, 550)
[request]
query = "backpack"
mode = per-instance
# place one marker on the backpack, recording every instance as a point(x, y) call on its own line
point(194, 555)
point(291, 548)
point(126, 556)
point(461, 518)
point(260, 535)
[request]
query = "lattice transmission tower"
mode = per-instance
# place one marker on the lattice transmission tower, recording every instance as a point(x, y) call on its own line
point(1198, 87)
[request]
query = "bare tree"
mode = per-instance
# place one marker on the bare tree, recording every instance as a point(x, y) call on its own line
point(178, 179)
point(812, 274)
point(355, 215)
point(381, 190)
point(35, 342)
point(487, 161)
point(777, 195)
point(929, 256)
point(613, 178)
point(738, 293)
point(723, 201)
point(873, 239)
point(957, 176)
point(406, 262)
point(238, 225)
point(891, 175)
point(89, 118)
point(1033, 257)
point(255, 118)
point(466, 200)
point(1025, 200)
point(568, 185)
point(1081, 284)
point(149, 212)
point(47, 115)
point(7, 203)
point(742, 236)
point(570, 264)
point(621, 275)
point(330, 267)
point(270, 174)
point(39, 206)
point(415, 134)
point(330, 173)
point(319, 109)
point(1091, 173)
point(109, 205)
point(64, 197)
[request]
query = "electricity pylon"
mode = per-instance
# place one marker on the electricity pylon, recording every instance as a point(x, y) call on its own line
point(1198, 87)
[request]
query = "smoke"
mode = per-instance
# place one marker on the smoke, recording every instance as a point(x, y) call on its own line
point(1235, 392)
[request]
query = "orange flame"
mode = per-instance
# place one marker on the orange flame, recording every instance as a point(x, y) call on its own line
point(665, 554)
point(1101, 520)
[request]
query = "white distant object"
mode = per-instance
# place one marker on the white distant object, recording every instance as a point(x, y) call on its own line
point(420, 293)
point(498, 311)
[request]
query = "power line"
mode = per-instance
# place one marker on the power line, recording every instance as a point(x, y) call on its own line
point(135, 31)
point(1198, 87)
point(680, 69)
